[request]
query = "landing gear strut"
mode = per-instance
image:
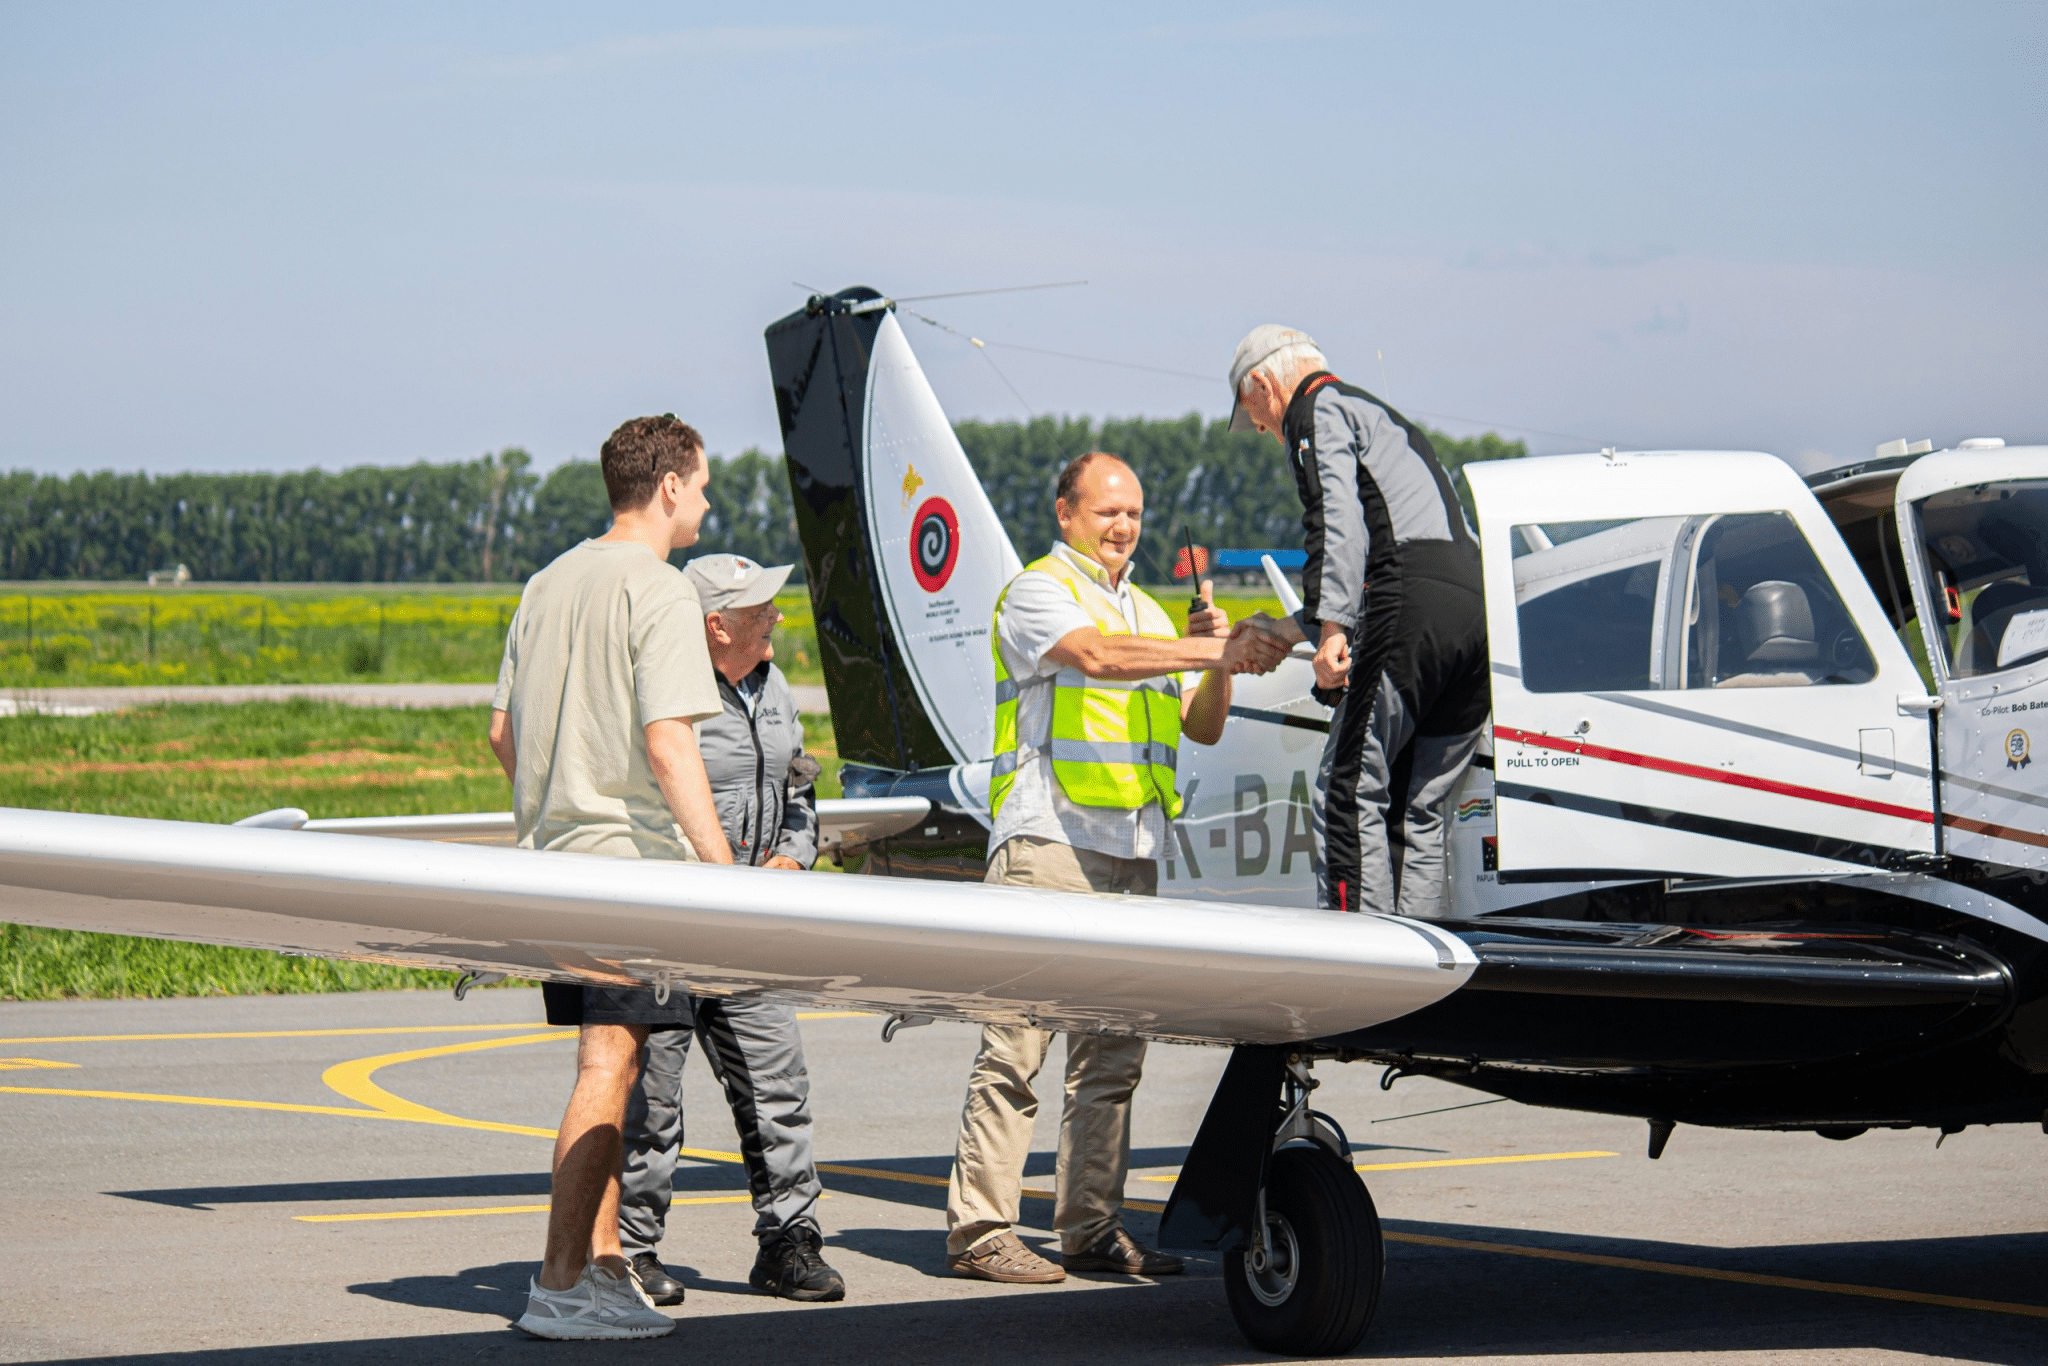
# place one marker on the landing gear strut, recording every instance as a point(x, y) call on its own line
point(1310, 1280)
point(1274, 1190)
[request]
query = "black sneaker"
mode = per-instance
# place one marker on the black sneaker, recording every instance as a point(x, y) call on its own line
point(661, 1287)
point(790, 1266)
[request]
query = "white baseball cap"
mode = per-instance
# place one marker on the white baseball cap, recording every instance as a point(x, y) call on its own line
point(727, 582)
point(1259, 343)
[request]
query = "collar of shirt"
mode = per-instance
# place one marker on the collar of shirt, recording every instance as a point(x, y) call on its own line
point(750, 688)
point(1119, 592)
point(1093, 569)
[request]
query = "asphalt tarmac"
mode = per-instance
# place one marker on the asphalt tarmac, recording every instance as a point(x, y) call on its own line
point(357, 1178)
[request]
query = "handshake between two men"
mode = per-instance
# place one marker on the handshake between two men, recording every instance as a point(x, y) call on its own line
point(1260, 641)
point(1279, 635)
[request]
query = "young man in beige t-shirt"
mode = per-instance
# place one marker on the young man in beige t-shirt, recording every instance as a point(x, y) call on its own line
point(606, 674)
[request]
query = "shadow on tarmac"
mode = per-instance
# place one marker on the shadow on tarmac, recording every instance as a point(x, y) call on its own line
point(1439, 1304)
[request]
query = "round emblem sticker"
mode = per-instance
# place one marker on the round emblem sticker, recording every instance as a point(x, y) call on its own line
point(934, 543)
point(2016, 748)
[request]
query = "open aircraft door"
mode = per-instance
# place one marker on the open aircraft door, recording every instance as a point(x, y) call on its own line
point(1690, 676)
point(1974, 528)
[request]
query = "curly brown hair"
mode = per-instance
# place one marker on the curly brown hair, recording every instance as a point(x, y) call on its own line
point(641, 451)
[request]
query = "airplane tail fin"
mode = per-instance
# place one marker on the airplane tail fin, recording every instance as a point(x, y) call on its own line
point(903, 552)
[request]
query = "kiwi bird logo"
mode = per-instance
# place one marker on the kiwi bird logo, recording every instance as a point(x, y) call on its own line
point(912, 482)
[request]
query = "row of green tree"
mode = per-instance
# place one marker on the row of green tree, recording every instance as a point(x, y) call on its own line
point(493, 520)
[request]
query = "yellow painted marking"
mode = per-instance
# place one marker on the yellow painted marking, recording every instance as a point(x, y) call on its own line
point(221, 1101)
point(1706, 1273)
point(31, 1064)
point(907, 1178)
point(271, 1033)
point(495, 1209)
point(352, 1079)
point(1448, 1162)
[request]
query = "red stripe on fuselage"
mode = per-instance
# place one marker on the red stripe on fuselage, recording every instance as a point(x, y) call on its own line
point(1712, 775)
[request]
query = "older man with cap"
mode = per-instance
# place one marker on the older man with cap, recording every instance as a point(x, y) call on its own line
point(761, 783)
point(1391, 599)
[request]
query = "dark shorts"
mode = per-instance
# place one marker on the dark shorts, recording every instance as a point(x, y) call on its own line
point(569, 1004)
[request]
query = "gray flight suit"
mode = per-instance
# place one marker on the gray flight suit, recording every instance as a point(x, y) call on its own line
point(1392, 562)
point(761, 782)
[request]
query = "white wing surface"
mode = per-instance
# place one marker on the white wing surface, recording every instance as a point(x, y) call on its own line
point(1163, 969)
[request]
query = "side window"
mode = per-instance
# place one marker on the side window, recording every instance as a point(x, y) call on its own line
point(1733, 600)
point(1586, 600)
point(1987, 559)
point(1764, 613)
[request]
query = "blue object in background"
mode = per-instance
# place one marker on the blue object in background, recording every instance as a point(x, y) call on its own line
point(1249, 559)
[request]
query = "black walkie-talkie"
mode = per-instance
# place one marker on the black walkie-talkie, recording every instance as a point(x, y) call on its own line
point(1196, 603)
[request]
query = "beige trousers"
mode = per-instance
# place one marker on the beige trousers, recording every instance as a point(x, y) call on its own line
point(986, 1191)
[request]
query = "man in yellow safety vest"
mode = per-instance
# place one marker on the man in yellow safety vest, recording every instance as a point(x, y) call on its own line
point(1089, 716)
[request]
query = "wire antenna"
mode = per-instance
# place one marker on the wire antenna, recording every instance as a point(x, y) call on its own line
point(969, 293)
point(979, 345)
point(985, 346)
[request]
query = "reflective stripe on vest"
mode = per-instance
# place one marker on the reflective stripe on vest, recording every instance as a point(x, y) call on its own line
point(1114, 743)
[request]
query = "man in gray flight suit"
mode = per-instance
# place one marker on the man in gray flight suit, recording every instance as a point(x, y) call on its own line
point(1391, 601)
point(761, 783)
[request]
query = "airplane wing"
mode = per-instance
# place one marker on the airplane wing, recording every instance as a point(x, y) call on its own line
point(1190, 971)
point(842, 821)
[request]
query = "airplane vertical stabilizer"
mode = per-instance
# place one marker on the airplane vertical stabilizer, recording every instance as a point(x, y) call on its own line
point(902, 550)
point(942, 553)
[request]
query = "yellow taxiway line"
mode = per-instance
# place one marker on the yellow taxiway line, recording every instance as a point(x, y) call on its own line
point(495, 1209)
point(352, 1079)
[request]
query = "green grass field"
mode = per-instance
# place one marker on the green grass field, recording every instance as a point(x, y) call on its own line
point(114, 637)
point(221, 763)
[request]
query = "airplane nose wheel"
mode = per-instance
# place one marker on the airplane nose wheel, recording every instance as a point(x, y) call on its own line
point(1309, 1286)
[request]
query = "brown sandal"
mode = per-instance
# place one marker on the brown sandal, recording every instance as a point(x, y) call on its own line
point(1004, 1258)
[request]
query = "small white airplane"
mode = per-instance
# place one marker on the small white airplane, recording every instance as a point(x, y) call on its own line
point(1730, 861)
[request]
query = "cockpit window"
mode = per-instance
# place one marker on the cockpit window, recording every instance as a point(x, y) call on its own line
point(1736, 600)
point(1987, 562)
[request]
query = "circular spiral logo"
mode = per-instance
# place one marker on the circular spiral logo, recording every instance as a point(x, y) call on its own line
point(934, 543)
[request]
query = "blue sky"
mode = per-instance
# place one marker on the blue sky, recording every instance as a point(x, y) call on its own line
point(263, 236)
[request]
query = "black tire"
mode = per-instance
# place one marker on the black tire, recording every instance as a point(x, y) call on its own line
point(1321, 1284)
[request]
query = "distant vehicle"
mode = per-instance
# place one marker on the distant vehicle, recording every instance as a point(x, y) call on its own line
point(1730, 860)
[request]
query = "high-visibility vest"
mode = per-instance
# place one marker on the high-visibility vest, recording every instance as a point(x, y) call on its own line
point(1113, 744)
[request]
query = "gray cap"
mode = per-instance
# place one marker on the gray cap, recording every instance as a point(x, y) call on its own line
point(1259, 343)
point(727, 582)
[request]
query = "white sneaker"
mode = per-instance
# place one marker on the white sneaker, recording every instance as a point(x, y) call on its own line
point(599, 1305)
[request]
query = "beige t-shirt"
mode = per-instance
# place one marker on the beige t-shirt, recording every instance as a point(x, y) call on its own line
point(606, 639)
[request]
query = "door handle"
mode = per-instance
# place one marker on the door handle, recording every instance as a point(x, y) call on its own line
point(1913, 704)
